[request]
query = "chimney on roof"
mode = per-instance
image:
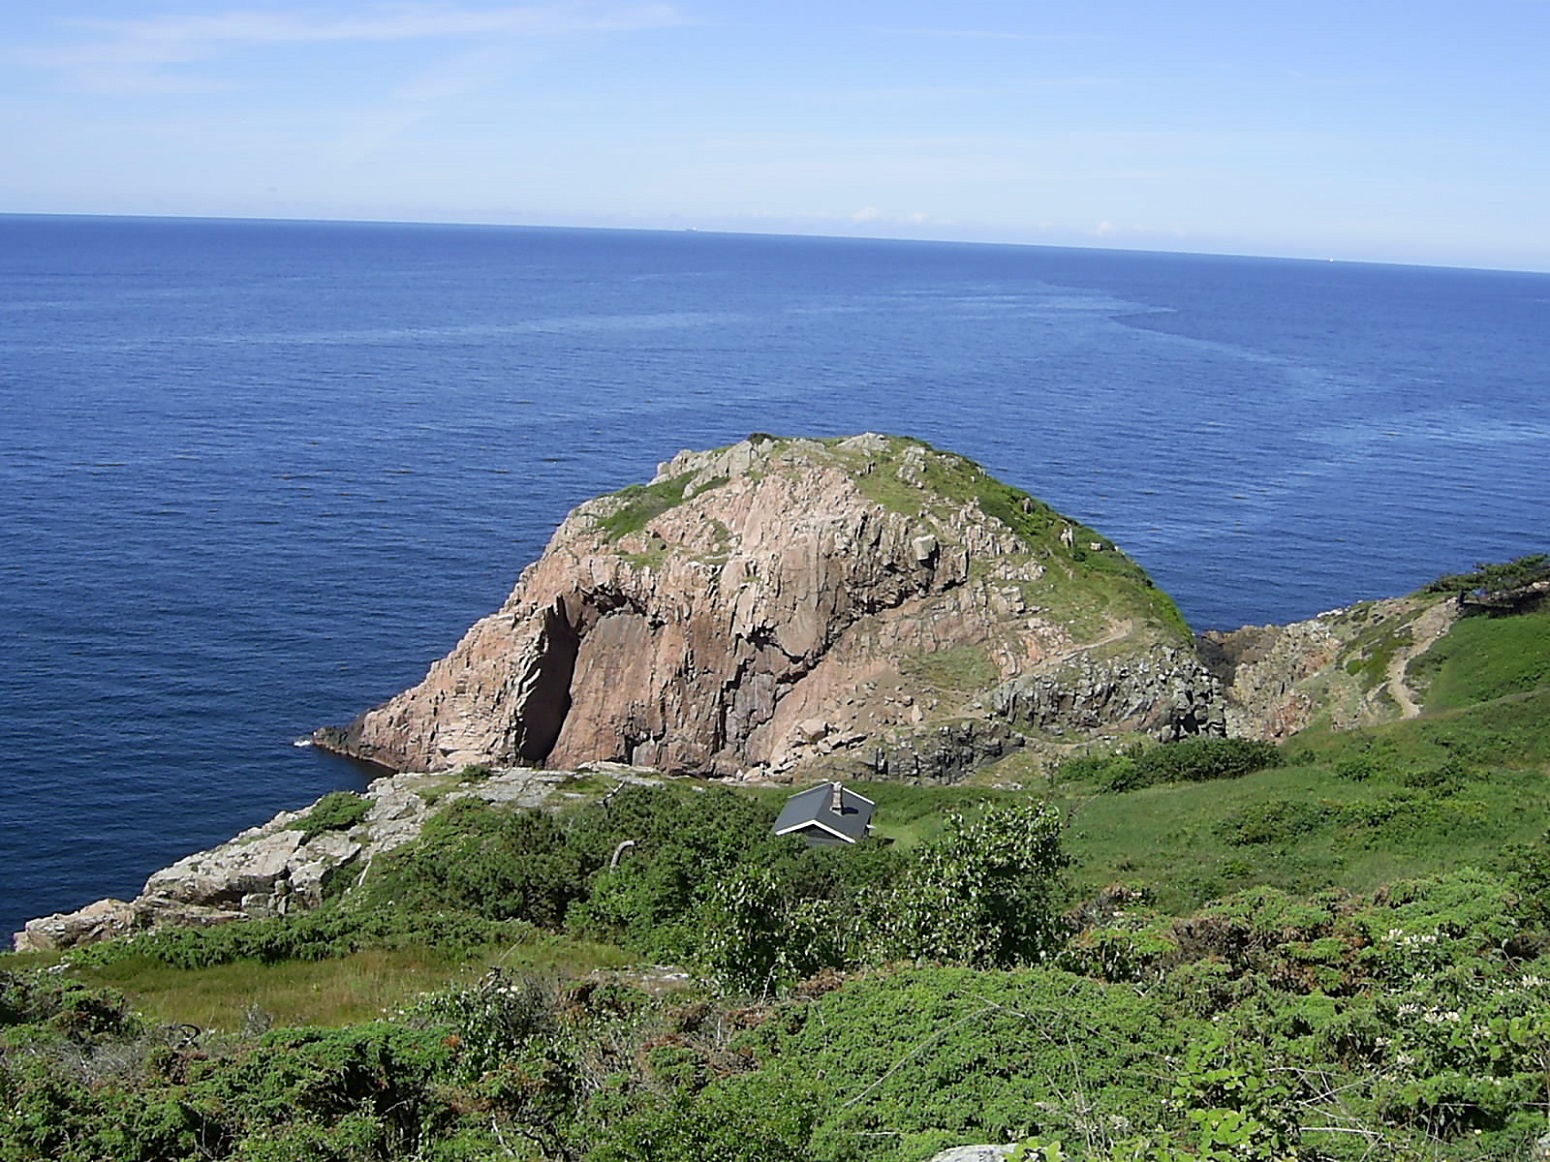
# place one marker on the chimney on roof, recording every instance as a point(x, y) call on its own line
point(837, 799)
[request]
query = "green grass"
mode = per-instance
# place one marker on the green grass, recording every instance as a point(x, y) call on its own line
point(1354, 809)
point(908, 815)
point(1178, 841)
point(335, 811)
point(961, 670)
point(335, 992)
point(1484, 658)
point(640, 503)
point(1510, 731)
point(1082, 586)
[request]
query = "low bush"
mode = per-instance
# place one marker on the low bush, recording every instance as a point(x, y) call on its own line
point(335, 811)
point(1190, 760)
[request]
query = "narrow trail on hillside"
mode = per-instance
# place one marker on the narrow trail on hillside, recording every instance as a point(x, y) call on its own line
point(1424, 631)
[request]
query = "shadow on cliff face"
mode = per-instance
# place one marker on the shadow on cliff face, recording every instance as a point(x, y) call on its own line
point(544, 714)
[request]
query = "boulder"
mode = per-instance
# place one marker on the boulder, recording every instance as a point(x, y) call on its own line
point(94, 922)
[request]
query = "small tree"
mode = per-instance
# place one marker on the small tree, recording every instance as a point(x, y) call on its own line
point(985, 893)
point(757, 939)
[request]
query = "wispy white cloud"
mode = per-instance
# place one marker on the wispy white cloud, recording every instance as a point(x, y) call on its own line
point(989, 34)
point(132, 51)
point(399, 22)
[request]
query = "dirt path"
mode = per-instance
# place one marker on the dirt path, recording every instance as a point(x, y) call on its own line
point(1424, 630)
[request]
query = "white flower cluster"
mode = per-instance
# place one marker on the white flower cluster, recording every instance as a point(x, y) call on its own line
point(1429, 1015)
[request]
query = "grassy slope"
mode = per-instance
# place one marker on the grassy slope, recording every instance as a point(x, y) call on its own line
point(1486, 658)
point(1082, 586)
point(1354, 811)
point(362, 986)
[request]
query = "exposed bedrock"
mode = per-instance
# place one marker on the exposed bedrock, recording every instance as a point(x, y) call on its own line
point(1165, 693)
point(873, 584)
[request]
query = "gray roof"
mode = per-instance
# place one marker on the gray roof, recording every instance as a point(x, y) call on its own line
point(811, 813)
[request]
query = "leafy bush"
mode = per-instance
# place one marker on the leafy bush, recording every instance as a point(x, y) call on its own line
point(757, 938)
point(985, 893)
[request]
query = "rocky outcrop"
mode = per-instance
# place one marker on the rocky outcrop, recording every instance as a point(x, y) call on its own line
point(1348, 667)
point(277, 868)
point(1165, 693)
point(698, 623)
point(1265, 672)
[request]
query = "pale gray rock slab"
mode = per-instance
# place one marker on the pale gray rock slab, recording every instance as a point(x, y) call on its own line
point(974, 1154)
point(96, 921)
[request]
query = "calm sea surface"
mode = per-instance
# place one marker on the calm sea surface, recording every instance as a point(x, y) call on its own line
point(255, 477)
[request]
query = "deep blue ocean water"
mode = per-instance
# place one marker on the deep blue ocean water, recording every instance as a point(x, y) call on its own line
point(255, 477)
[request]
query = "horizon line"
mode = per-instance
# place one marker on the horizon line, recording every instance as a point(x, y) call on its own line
point(721, 231)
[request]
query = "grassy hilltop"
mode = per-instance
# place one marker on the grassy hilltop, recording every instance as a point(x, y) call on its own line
point(1337, 947)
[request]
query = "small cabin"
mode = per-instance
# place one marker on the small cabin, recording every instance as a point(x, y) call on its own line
point(826, 815)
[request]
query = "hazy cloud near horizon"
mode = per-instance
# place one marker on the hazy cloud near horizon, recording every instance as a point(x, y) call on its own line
point(1380, 131)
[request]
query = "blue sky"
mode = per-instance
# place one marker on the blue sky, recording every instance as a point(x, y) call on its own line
point(1408, 132)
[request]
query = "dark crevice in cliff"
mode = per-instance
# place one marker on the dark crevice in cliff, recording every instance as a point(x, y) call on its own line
point(544, 713)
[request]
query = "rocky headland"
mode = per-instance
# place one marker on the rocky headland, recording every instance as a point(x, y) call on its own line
point(757, 607)
point(284, 865)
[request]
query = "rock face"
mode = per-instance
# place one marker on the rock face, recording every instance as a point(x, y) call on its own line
point(759, 605)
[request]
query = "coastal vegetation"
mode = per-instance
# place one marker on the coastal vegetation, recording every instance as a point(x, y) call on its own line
point(1333, 948)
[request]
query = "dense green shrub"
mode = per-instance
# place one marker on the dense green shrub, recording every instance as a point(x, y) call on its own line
point(1200, 760)
point(1489, 578)
point(986, 892)
point(1277, 821)
point(1529, 879)
point(1190, 760)
point(493, 862)
point(63, 1005)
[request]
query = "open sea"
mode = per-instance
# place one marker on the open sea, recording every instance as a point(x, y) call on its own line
point(256, 476)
